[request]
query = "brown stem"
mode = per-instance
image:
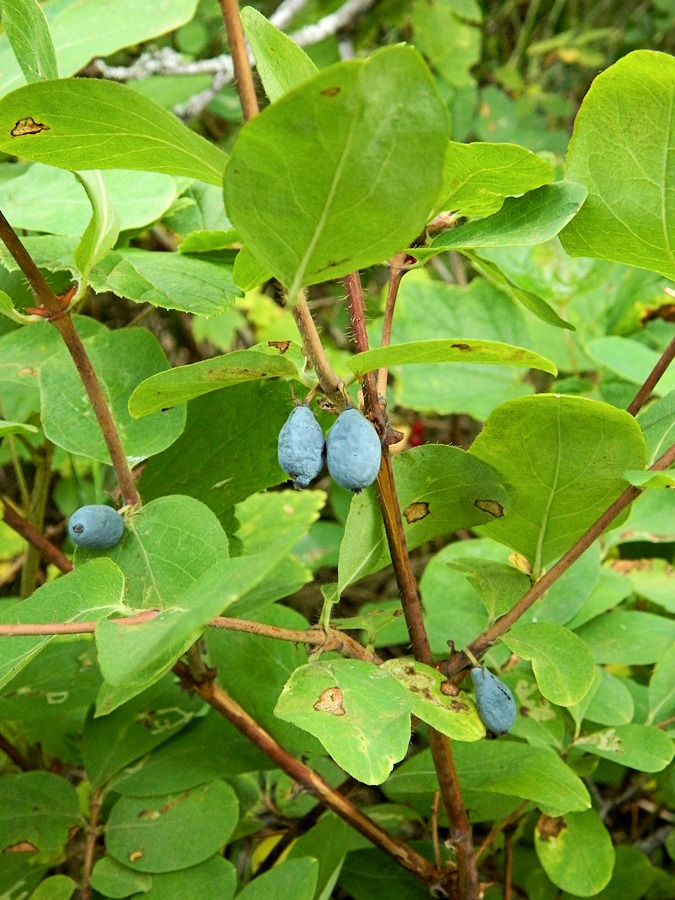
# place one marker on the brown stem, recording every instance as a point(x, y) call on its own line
point(329, 383)
point(15, 755)
point(35, 538)
point(460, 660)
point(652, 379)
point(90, 846)
point(36, 515)
point(397, 270)
point(460, 829)
point(500, 826)
point(216, 697)
point(63, 323)
point(239, 53)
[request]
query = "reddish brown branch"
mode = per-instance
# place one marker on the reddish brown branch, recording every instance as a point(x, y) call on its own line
point(652, 379)
point(242, 69)
point(15, 755)
point(34, 537)
point(216, 697)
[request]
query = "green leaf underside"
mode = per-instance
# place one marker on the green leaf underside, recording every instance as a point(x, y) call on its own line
point(312, 177)
point(501, 767)
point(478, 177)
point(360, 714)
point(576, 852)
point(561, 661)
point(629, 214)
point(28, 33)
point(89, 593)
point(561, 460)
point(438, 488)
point(532, 219)
point(449, 350)
point(87, 123)
point(185, 382)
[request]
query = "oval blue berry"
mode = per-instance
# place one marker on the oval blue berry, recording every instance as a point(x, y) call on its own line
point(96, 527)
point(301, 447)
point(495, 702)
point(353, 451)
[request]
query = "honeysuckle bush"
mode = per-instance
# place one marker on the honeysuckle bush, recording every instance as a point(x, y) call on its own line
point(119, 779)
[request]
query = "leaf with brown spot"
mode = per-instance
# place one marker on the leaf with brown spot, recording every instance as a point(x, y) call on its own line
point(330, 701)
point(28, 126)
point(492, 507)
point(281, 346)
point(549, 827)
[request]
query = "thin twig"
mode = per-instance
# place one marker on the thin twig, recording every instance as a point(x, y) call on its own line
point(61, 320)
point(652, 379)
point(15, 755)
point(242, 69)
point(90, 846)
point(500, 826)
point(397, 270)
point(216, 697)
point(36, 516)
point(329, 383)
point(478, 647)
point(36, 539)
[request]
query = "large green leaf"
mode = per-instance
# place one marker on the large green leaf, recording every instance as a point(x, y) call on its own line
point(449, 350)
point(319, 183)
point(575, 851)
point(293, 879)
point(178, 385)
point(640, 747)
point(629, 214)
point(501, 767)
point(101, 232)
point(439, 489)
point(561, 460)
point(83, 29)
point(172, 831)
point(631, 360)
point(281, 64)
point(37, 807)
point(166, 546)
point(215, 877)
point(478, 177)
point(88, 593)
point(536, 217)
point(67, 414)
point(360, 713)
point(561, 661)
point(86, 123)
point(628, 637)
point(28, 33)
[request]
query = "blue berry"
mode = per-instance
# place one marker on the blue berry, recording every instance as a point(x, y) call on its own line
point(495, 702)
point(96, 527)
point(354, 451)
point(301, 448)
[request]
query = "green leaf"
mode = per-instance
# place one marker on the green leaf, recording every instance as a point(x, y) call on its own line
point(575, 851)
point(294, 879)
point(36, 200)
point(478, 177)
point(28, 33)
point(499, 586)
point(102, 231)
point(657, 422)
point(169, 280)
point(439, 489)
point(16, 428)
point(654, 579)
point(167, 545)
point(360, 713)
point(173, 831)
point(628, 216)
point(216, 877)
point(561, 661)
point(662, 688)
point(281, 64)
point(640, 747)
point(67, 415)
point(83, 29)
point(446, 33)
point(56, 887)
point(561, 460)
point(132, 657)
point(532, 219)
point(312, 179)
point(87, 594)
point(448, 350)
point(112, 879)
point(114, 128)
point(167, 389)
point(630, 360)
point(608, 702)
point(455, 716)
point(110, 743)
point(37, 807)
point(501, 767)
point(628, 637)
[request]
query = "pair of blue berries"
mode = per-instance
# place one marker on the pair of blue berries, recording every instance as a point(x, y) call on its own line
point(352, 449)
point(96, 527)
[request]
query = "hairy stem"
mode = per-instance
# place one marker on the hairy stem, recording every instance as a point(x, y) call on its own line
point(460, 830)
point(329, 383)
point(216, 697)
point(64, 325)
point(242, 69)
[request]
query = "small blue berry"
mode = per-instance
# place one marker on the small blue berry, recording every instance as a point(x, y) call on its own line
point(96, 527)
point(301, 447)
point(354, 451)
point(495, 702)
